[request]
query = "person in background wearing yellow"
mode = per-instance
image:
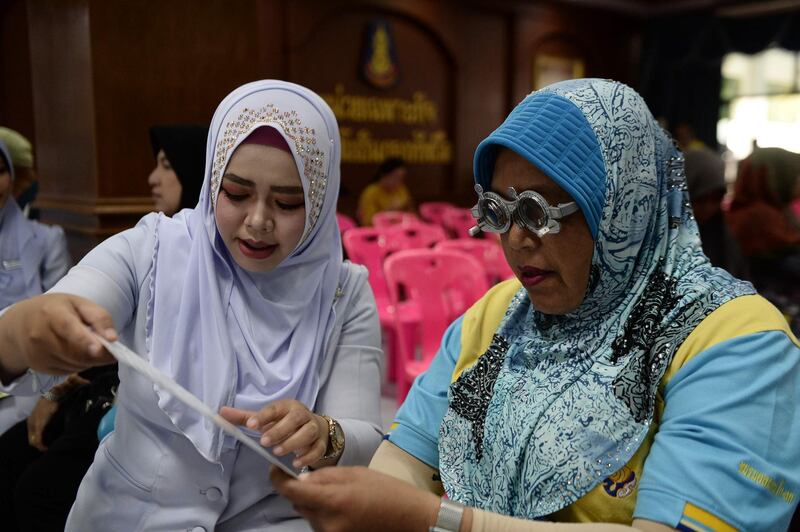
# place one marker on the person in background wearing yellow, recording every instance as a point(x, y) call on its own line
point(387, 193)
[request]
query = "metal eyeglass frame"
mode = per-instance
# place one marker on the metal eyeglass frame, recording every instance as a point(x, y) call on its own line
point(513, 214)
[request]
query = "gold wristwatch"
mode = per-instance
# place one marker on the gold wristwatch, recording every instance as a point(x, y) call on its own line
point(335, 439)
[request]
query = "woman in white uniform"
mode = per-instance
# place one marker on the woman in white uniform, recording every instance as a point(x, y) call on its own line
point(33, 256)
point(246, 302)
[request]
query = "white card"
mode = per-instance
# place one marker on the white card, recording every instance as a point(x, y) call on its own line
point(132, 360)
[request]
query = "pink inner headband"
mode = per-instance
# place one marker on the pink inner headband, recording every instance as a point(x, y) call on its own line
point(268, 136)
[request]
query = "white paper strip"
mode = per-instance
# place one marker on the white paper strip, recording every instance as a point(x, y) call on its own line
point(131, 359)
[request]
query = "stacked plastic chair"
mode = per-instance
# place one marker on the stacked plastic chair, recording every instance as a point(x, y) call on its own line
point(369, 246)
point(345, 223)
point(435, 287)
point(416, 236)
point(458, 222)
point(392, 218)
point(488, 252)
point(433, 211)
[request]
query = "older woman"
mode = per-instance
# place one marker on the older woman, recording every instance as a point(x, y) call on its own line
point(620, 381)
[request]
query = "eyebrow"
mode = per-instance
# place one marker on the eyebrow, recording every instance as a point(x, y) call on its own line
point(247, 183)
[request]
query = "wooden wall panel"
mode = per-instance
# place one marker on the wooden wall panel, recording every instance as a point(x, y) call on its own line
point(16, 101)
point(322, 57)
point(103, 71)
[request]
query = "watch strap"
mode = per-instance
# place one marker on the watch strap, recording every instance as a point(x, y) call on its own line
point(333, 450)
point(449, 518)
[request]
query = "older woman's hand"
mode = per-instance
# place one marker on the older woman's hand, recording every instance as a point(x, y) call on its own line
point(357, 499)
point(289, 426)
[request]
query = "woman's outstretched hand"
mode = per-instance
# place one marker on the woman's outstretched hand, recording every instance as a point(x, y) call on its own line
point(48, 333)
point(287, 426)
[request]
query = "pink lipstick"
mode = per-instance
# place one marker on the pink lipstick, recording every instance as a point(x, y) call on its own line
point(255, 249)
point(530, 276)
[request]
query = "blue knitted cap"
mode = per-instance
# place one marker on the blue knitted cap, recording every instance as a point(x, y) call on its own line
point(551, 133)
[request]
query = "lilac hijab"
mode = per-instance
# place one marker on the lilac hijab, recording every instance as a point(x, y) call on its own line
point(20, 254)
point(233, 337)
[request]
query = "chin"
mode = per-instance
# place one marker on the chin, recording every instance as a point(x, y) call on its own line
point(547, 305)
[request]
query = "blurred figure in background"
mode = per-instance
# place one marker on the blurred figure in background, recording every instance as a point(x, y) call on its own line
point(34, 256)
point(705, 177)
point(387, 193)
point(767, 230)
point(180, 155)
point(59, 438)
point(26, 185)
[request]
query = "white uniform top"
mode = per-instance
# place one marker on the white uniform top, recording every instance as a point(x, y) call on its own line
point(146, 474)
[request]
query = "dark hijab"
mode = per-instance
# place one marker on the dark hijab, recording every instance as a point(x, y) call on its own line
point(185, 148)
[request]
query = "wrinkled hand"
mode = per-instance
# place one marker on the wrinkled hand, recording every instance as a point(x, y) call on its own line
point(48, 333)
point(357, 499)
point(45, 409)
point(289, 426)
point(38, 420)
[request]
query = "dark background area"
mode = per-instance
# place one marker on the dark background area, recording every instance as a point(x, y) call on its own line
point(85, 79)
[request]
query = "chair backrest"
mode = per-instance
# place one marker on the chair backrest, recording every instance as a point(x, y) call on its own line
point(433, 211)
point(391, 218)
point(489, 252)
point(369, 246)
point(440, 285)
point(416, 236)
point(345, 223)
point(458, 222)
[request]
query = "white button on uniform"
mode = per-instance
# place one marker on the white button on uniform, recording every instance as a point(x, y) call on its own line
point(213, 494)
point(198, 529)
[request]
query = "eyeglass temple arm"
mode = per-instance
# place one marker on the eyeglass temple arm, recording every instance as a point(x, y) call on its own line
point(563, 210)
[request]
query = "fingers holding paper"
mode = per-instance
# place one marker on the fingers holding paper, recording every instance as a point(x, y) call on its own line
point(50, 333)
point(287, 426)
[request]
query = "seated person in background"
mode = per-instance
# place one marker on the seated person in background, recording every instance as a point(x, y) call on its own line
point(26, 184)
point(620, 382)
point(762, 220)
point(388, 192)
point(44, 458)
point(705, 178)
point(33, 256)
point(245, 302)
point(176, 180)
point(59, 438)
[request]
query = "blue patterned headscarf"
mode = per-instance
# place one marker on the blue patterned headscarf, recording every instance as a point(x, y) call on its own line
point(558, 403)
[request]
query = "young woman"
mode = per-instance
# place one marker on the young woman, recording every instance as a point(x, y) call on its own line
point(176, 180)
point(245, 301)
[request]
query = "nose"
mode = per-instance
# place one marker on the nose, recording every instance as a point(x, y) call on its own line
point(520, 238)
point(259, 219)
point(152, 179)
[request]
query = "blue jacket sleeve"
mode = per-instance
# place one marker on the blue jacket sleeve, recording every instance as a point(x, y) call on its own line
point(728, 446)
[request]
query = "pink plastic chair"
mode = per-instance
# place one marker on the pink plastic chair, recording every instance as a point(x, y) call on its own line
point(369, 246)
point(391, 218)
point(488, 252)
point(345, 223)
point(434, 288)
point(416, 236)
point(433, 211)
point(458, 222)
